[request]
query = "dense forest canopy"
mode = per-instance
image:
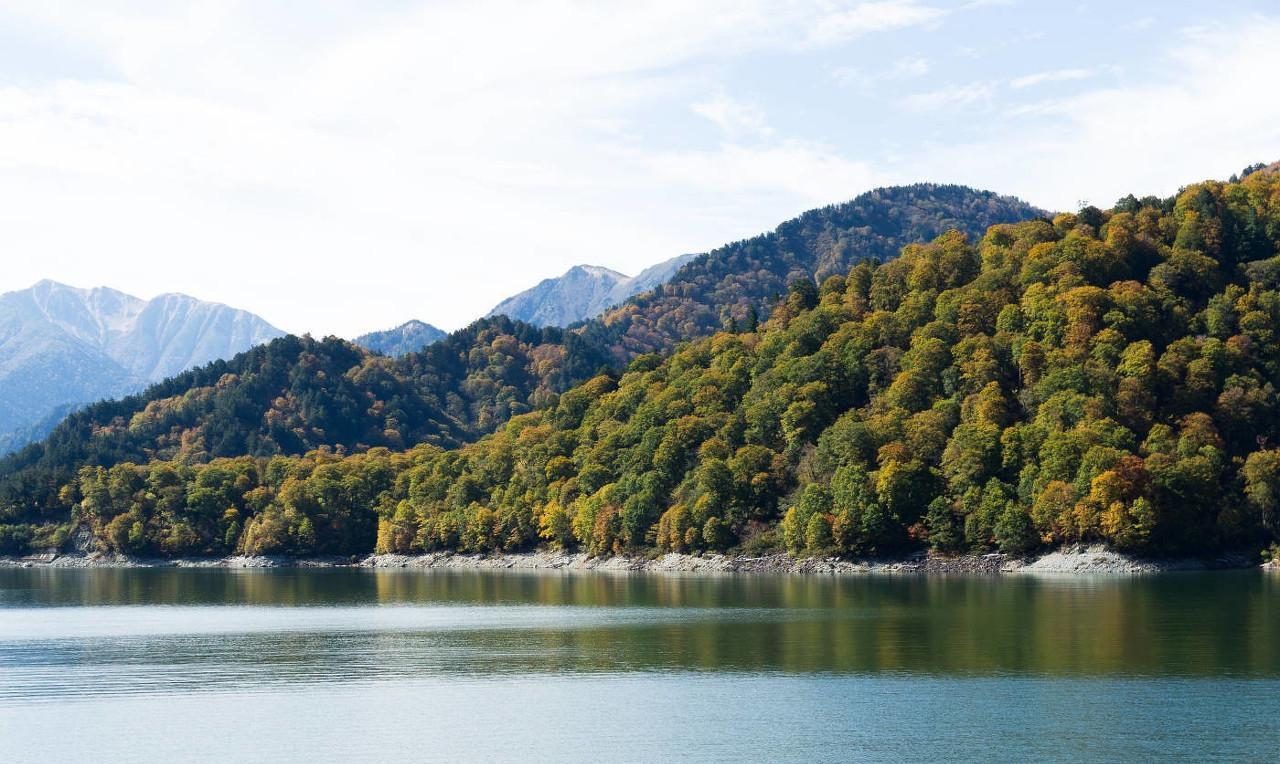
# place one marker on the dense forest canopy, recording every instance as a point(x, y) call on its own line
point(730, 286)
point(298, 394)
point(1104, 376)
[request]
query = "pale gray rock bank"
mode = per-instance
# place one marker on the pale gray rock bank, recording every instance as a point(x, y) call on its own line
point(1077, 560)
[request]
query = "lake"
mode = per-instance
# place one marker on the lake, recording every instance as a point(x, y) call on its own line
point(352, 665)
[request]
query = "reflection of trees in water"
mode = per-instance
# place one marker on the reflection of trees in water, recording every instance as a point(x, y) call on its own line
point(1182, 624)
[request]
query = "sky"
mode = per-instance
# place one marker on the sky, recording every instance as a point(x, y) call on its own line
point(339, 167)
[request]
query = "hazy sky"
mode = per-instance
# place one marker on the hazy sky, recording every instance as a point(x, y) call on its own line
point(339, 167)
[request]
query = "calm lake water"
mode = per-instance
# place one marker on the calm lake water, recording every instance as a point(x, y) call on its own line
point(362, 665)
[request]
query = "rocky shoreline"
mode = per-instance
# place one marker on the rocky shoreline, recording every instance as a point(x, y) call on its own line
point(1078, 560)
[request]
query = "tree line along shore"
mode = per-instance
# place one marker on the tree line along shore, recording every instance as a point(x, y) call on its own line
point(1101, 377)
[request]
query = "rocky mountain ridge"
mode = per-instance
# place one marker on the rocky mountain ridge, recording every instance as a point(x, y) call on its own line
point(583, 292)
point(62, 346)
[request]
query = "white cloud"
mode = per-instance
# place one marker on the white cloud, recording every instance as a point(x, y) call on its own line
point(1204, 118)
point(1057, 75)
point(807, 174)
point(421, 160)
point(346, 168)
point(733, 117)
point(957, 97)
point(842, 25)
point(909, 67)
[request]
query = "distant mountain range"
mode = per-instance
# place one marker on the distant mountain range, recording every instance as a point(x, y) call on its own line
point(409, 337)
point(584, 291)
point(61, 347)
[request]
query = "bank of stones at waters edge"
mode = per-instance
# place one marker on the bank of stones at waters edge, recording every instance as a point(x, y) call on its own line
point(1070, 560)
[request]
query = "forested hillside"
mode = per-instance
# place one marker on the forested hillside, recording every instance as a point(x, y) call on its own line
point(1104, 376)
point(731, 286)
point(298, 394)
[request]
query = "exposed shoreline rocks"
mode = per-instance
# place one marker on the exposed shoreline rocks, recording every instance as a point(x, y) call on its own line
point(1076, 560)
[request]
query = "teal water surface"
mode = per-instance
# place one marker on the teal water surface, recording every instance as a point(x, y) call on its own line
point(172, 665)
